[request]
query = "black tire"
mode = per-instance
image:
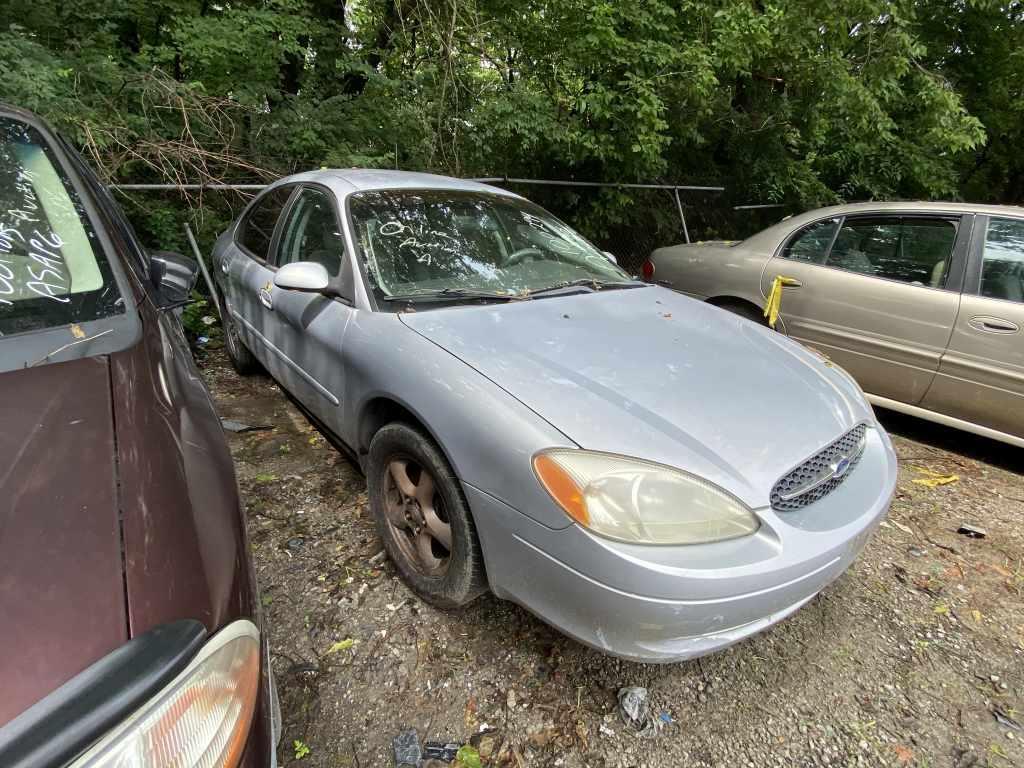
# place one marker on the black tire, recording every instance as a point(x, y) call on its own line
point(749, 311)
point(241, 358)
point(461, 578)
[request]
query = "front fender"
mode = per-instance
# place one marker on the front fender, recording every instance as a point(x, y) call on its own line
point(487, 435)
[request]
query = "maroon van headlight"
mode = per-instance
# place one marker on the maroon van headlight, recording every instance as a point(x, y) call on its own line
point(200, 719)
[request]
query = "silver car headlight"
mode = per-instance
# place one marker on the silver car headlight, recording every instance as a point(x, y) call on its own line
point(638, 501)
point(201, 718)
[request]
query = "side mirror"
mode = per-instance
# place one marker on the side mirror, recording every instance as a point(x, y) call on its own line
point(610, 256)
point(303, 276)
point(173, 275)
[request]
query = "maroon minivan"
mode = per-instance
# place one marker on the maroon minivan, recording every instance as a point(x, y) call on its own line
point(131, 631)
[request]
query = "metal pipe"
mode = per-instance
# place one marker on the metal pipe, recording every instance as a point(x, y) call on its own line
point(196, 187)
point(484, 180)
point(559, 183)
point(754, 207)
point(206, 275)
point(682, 216)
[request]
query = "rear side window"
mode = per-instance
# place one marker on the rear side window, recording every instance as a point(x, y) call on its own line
point(911, 250)
point(811, 244)
point(257, 228)
point(1002, 271)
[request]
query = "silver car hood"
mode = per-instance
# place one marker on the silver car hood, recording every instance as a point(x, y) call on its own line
point(650, 373)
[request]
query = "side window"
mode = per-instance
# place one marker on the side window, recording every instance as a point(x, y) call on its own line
point(925, 248)
point(312, 233)
point(257, 229)
point(1002, 270)
point(910, 250)
point(812, 242)
point(863, 245)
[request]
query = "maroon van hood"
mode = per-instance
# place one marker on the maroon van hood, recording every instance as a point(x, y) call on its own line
point(62, 592)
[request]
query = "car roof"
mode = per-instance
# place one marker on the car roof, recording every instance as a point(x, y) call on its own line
point(349, 180)
point(768, 238)
point(915, 205)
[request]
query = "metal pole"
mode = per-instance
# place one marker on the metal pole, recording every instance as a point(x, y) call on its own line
point(682, 216)
point(559, 183)
point(196, 187)
point(206, 275)
point(756, 207)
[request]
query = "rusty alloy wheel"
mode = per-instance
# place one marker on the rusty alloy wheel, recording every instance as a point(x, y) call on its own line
point(416, 514)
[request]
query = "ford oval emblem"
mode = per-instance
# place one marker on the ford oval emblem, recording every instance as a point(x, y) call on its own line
point(841, 467)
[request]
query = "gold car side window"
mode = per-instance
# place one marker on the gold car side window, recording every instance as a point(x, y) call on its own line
point(915, 250)
point(1002, 271)
point(811, 244)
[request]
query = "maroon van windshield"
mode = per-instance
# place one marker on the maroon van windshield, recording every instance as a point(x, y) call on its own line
point(52, 269)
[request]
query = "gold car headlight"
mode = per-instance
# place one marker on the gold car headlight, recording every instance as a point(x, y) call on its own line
point(640, 502)
point(200, 719)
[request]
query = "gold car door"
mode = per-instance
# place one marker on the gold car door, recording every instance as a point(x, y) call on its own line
point(981, 376)
point(877, 293)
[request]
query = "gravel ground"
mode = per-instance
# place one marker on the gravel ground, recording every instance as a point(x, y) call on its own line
point(914, 657)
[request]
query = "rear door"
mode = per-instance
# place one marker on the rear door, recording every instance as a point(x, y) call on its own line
point(878, 293)
point(981, 376)
point(310, 326)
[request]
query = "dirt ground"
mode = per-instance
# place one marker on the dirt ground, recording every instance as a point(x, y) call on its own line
point(914, 657)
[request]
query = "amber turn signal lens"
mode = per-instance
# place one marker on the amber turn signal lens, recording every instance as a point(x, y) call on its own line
point(562, 487)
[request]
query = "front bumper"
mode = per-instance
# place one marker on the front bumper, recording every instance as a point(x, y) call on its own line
point(663, 604)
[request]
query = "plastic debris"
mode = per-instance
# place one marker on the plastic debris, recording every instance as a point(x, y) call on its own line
point(236, 426)
point(406, 746)
point(634, 709)
point(202, 341)
point(934, 479)
point(1004, 719)
point(971, 531)
point(208, 320)
point(445, 752)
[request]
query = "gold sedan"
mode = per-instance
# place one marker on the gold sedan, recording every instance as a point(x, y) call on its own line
point(923, 303)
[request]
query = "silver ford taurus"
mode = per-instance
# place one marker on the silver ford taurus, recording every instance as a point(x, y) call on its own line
point(653, 476)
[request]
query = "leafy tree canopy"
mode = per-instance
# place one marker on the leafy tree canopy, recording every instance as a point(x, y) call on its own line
point(797, 101)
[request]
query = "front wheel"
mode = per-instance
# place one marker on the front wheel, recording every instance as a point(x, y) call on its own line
point(422, 517)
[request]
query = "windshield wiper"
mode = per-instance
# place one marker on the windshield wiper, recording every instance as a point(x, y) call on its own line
point(453, 294)
point(587, 282)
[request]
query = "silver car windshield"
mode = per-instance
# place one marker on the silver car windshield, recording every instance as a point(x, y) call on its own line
point(425, 242)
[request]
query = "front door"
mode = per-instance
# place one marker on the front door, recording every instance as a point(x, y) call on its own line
point(311, 326)
point(981, 376)
point(877, 293)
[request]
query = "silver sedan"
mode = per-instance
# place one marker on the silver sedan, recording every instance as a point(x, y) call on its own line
point(650, 475)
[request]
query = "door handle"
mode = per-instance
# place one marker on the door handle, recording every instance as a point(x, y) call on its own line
point(992, 324)
point(265, 298)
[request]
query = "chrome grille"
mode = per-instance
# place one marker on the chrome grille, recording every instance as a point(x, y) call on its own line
point(817, 474)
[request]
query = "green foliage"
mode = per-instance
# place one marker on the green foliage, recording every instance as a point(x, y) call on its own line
point(796, 101)
point(467, 757)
